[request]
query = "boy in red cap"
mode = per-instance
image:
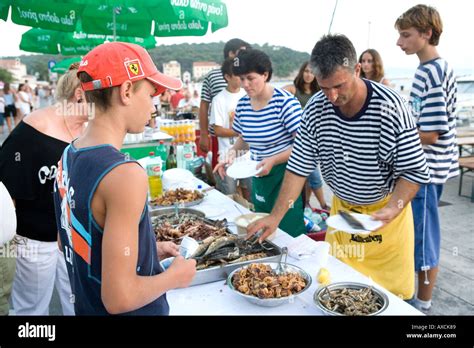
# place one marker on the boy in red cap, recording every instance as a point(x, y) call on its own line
point(101, 196)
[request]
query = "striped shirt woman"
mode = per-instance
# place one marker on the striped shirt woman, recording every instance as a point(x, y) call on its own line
point(268, 131)
point(266, 119)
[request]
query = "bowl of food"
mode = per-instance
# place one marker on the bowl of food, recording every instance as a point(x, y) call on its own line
point(350, 299)
point(181, 196)
point(264, 285)
point(242, 221)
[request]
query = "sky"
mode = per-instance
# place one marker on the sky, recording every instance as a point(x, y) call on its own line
point(298, 24)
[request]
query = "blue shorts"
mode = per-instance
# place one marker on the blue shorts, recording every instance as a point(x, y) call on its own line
point(315, 180)
point(427, 228)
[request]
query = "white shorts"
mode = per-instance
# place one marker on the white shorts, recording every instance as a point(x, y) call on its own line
point(39, 267)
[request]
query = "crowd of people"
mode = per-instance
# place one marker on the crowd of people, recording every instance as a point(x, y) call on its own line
point(18, 103)
point(339, 122)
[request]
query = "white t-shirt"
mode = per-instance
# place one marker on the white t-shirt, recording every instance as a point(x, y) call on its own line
point(196, 102)
point(24, 106)
point(185, 105)
point(222, 114)
point(2, 105)
point(156, 101)
point(7, 216)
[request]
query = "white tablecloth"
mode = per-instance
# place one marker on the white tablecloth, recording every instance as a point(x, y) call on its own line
point(217, 299)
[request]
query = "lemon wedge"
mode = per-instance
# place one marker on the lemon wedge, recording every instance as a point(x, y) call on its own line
point(324, 277)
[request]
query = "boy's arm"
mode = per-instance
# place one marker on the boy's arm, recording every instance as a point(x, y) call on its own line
point(203, 126)
point(428, 138)
point(224, 132)
point(124, 193)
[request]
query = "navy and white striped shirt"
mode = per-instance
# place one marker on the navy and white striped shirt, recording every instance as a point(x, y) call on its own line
point(433, 101)
point(268, 131)
point(360, 157)
point(213, 83)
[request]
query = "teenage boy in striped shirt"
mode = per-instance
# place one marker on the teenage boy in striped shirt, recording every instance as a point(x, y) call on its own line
point(366, 143)
point(433, 102)
point(214, 83)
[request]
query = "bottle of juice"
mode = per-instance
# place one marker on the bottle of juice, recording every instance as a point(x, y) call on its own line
point(154, 171)
point(189, 130)
point(175, 131)
point(164, 127)
point(193, 131)
point(181, 130)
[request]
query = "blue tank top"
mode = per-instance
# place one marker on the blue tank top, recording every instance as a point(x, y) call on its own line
point(79, 174)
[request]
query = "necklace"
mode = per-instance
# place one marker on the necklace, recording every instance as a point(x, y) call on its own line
point(67, 127)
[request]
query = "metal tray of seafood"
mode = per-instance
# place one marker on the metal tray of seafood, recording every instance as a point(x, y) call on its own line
point(168, 210)
point(216, 273)
point(180, 205)
point(201, 215)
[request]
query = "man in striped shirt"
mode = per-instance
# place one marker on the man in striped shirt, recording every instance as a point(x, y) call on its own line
point(213, 83)
point(433, 102)
point(366, 143)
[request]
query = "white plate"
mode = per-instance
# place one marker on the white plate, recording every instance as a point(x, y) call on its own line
point(338, 223)
point(211, 211)
point(243, 169)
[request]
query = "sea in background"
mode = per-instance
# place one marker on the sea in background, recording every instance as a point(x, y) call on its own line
point(400, 78)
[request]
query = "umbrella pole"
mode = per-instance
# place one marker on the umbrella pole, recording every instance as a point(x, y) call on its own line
point(114, 23)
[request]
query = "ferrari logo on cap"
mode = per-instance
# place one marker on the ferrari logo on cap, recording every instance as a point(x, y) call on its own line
point(134, 69)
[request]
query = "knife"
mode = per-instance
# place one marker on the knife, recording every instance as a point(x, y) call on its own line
point(352, 221)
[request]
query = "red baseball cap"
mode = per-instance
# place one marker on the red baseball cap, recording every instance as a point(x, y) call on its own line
point(113, 63)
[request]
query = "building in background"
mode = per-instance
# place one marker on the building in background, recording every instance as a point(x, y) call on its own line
point(16, 67)
point(200, 69)
point(172, 68)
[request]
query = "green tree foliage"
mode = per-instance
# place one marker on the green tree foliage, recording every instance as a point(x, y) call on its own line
point(5, 75)
point(285, 61)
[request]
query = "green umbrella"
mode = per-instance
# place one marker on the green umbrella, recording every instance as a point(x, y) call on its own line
point(64, 65)
point(4, 11)
point(40, 41)
point(72, 44)
point(120, 17)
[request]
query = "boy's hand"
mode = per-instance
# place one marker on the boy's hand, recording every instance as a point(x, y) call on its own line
point(182, 271)
point(167, 249)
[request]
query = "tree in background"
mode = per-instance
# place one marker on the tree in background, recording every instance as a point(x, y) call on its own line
point(6, 76)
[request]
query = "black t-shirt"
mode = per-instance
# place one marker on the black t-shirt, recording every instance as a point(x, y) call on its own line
point(28, 166)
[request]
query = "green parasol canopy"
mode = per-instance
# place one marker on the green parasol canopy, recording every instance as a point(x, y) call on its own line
point(72, 44)
point(131, 18)
point(64, 65)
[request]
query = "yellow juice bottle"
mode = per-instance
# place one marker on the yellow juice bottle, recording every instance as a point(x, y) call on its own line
point(154, 171)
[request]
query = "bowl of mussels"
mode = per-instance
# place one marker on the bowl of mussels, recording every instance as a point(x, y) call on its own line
point(350, 299)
